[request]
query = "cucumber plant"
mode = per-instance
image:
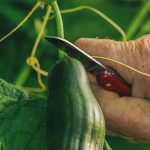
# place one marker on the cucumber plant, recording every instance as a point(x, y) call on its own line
point(53, 8)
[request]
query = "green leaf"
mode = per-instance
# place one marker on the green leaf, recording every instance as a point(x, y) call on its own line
point(22, 119)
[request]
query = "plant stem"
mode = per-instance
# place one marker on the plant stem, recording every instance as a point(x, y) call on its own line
point(24, 74)
point(60, 27)
point(99, 13)
point(139, 18)
point(22, 22)
point(59, 22)
point(106, 145)
point(41, 30)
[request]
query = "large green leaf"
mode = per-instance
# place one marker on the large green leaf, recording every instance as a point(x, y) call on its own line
point(22, 119)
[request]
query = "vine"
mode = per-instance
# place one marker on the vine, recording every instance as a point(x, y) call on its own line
point(139, 18)
point(37, 5)
point(99, 13)
point(59, 23)
point(34, 62)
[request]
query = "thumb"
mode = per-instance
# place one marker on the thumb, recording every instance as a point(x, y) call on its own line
point(121, 51)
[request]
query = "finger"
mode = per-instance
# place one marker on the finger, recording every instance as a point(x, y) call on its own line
point(110, 49)
point(141, 84)
point(101, 47)
point(132, 53)
point(126, 116)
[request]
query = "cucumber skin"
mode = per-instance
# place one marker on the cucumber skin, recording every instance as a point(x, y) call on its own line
point(75, 119)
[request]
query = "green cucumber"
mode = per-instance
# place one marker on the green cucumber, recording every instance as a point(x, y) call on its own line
point(75, 119)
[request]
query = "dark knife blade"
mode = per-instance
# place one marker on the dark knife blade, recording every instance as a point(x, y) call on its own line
point(88, 61)
point(107, 78)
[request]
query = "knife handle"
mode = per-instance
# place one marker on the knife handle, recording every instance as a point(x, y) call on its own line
point(110, 80)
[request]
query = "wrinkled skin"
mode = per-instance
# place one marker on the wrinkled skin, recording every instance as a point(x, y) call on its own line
point(126, 116)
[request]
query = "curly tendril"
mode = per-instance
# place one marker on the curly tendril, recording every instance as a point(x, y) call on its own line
point(32, 60)
point(34, 63)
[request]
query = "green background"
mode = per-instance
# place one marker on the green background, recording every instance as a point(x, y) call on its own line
point(15, 49)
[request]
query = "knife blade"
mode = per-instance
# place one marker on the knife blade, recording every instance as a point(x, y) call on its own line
point(91, 64)
point(106, 77)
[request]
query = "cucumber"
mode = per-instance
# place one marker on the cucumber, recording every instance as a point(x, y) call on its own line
point(75, 119)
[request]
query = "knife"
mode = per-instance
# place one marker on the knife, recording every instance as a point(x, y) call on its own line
point(106, 77)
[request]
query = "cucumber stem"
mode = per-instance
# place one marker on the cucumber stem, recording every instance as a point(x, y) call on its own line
point(59, 22)
point(60, 27)
point(138, 20)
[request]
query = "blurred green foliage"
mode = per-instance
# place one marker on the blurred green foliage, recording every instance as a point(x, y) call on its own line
point(15, 49)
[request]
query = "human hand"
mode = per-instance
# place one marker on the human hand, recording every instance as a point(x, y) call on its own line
point(126, 116)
